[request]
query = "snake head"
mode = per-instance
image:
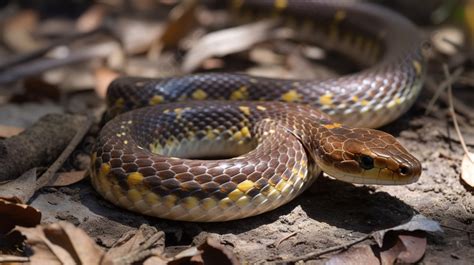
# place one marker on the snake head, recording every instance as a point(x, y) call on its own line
point(367, 156)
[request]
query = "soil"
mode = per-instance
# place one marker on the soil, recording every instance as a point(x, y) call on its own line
point(329, 213)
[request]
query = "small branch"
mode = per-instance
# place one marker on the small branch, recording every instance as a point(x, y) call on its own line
point(279, 241)
point(23, 58)
point(50, 176)
point(453, 113)
point(316, 254)
point(441, 88)
point(13, 259)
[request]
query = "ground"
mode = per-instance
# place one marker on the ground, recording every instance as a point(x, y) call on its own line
point(329, 213)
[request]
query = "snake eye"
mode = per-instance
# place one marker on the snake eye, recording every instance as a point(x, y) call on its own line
point(366, 162)
point(403, 170)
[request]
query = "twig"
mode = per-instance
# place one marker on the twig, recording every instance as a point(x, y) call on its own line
point(12, 259)
point(453, 113)
point(441, 88)
point(316, 254)
point(468, 232)
point(279, 241)
point(22, 58)
point(39, 66)
point(50, 176)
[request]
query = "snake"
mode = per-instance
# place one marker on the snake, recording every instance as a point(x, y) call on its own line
point(218, 146)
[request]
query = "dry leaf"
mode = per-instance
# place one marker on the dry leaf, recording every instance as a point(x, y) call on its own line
point(356, 255)
point(103, 76)
point(415, 246)
point(92, 18)
point(224, 42)
point(136, 246)
point(181, 21)
point(467, 169)
point(14, 213)
point(9, 131)
point(20, 189)
point(17, 32)
point(69, 178)
point(210, 252)
point(61, 243)
point(417, 222)
point(444, 38)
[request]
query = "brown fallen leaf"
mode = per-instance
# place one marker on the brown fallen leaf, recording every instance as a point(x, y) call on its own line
point(181, 21)
point(92, 18)
point(223, 42)
point(467, 169)
point(417, 222)
point(9, 131)
point(405, 244)
point(103, 77)
point(415, 246)
point(136, 246)
point(17, 31)
point(14, 213)
point(61, 243)
point(210, 252)
point(20, 189)
point(354, 256)
point(69, 178)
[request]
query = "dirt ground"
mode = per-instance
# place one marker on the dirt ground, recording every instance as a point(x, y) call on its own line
point(330, 213)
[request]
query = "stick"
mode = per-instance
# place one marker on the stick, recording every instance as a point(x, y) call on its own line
point(50, 176)
point(316, 254)
point(453, 113)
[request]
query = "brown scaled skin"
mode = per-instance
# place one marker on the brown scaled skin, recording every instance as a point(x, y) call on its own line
point(375, 155)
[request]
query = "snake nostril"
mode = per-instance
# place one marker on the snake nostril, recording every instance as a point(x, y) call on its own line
point(404, 170)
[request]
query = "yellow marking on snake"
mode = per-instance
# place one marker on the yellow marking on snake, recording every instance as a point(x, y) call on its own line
point(199, 94)
point(245, 132)
point(235, 195)
point(262, 108)
point(179, 112)
point(245, 185)
point(170, 200)
point(291, 96)
point(245, 110)
point(355, 98)
point(104, 170)
point(190, 202)
point(120, 102)
point(125, 142)
point(243, 201)
point(210, 134)
point(332, 125)
point(151, 198)
point(364, 102)
point(417, 66)
point(134, 195)
point(240, 94)
point(225, 203)
point(134, 178)
point(326, 99)
point(280, 4)
point(208, 203)
point(156, 99)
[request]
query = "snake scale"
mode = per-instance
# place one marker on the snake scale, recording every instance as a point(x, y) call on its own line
point(225, 146)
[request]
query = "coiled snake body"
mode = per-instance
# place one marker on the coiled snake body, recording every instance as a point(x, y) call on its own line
point(160, 160)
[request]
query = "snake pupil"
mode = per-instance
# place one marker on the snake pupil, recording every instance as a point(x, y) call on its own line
point(404, 170)
point(367, 162)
